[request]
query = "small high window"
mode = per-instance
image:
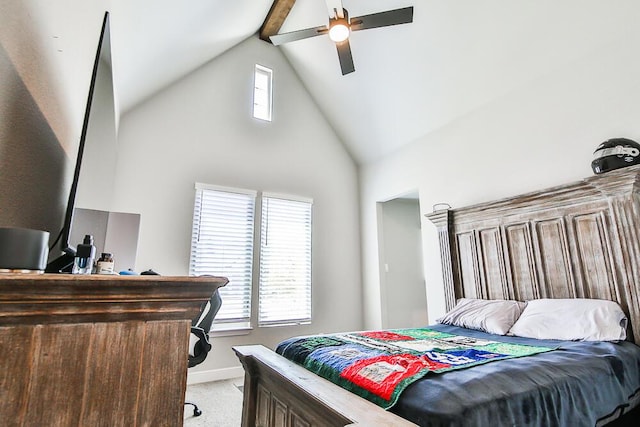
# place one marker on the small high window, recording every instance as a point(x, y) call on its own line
point(262, 93)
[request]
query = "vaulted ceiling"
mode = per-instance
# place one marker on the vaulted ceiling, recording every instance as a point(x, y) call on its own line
point(410, 80)
point(456, 57)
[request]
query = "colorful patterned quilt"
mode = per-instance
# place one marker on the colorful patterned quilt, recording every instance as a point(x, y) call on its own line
point(379, 365)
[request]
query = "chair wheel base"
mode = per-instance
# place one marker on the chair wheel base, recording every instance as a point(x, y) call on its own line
point(196, 411)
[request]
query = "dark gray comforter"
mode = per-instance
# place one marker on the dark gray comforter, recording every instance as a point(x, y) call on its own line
point(575, 385)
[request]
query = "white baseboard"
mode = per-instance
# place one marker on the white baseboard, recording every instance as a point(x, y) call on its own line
point(214, 375)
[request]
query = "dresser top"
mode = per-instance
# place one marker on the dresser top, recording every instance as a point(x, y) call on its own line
point(68, 298)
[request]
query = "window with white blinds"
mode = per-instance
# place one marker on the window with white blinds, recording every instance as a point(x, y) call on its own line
point(222, 245)
point(285, 261)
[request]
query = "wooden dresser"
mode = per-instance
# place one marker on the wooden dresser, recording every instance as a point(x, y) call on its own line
point(96, 350)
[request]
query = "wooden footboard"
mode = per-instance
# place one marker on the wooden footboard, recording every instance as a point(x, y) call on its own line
point(277, 392)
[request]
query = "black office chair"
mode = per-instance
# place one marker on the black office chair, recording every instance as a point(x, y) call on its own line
point(199, 345)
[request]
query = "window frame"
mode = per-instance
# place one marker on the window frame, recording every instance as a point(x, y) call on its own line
point(243, 322)
point(222, 328)
point(261, 70)
point(302, 320)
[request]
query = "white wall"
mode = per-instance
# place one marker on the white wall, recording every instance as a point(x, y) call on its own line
point(200, 129)
point(47, 51)
point(541, 135)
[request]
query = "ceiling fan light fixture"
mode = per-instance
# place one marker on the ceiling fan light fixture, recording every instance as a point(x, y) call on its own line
point(339, 30)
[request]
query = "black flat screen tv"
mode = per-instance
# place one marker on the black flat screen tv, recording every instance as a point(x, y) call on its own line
point(64, 263)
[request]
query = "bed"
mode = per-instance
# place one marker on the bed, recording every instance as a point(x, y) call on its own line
point(575, 241)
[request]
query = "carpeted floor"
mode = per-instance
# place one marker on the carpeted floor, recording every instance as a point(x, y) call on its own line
point(219, 401)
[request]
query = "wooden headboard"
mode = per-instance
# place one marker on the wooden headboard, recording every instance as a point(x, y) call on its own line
point(578, 240)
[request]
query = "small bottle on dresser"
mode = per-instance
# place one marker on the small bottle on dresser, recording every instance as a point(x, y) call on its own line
point(85, 254)
point(105, 264)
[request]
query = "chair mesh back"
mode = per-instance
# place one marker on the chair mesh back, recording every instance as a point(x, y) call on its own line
point(205, 319)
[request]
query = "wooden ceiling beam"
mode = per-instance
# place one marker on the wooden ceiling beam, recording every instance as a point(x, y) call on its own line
point(275, 18)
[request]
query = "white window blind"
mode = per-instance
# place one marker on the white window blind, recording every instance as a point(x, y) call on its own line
point(262, 93)
point(285, 261)
point(222, 245)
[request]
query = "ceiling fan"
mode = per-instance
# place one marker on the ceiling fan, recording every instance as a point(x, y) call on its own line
point(340, 26)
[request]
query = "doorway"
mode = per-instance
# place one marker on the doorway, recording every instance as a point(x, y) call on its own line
point(402, 284)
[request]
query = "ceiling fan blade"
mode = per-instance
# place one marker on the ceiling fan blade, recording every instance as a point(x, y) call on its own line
point(335, 8)
point(382, 19)
point(344, 55)
point(278, 39)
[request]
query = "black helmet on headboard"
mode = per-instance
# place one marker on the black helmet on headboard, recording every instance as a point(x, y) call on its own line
point(615, 153)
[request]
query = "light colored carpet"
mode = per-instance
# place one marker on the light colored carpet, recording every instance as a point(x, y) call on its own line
point(219, 401)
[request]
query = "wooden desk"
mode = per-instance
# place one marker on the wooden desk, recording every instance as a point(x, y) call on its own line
point(96, 350)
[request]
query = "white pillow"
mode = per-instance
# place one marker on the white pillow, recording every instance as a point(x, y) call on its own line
point(573, 319)
point(492, 316)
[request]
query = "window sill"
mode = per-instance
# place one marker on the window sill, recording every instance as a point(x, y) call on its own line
point(284, 324)
point(230, 332)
